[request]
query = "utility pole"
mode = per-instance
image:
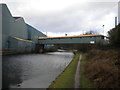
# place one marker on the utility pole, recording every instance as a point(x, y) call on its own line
point(46, 33)
point(103, 29)
point(83, 32)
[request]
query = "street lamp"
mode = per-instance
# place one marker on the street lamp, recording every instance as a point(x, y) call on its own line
point(46, 33)
point(103, 29)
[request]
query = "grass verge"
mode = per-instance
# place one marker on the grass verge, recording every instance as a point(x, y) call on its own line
point(84, 82)
point(66, 78)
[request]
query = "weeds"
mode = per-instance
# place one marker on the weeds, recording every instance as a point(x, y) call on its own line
point(102, 68)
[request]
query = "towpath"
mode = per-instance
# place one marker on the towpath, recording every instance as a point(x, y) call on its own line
point(77, 74)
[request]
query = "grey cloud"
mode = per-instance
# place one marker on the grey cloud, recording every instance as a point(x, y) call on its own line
point(79, 17)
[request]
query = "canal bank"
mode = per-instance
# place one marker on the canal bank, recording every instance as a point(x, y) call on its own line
point(84, 81)
point(74, 75)
point(66, 78)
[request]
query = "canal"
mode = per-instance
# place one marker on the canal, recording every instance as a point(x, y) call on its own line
point(33, 70)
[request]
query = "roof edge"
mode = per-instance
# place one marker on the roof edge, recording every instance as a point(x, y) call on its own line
point(72, 36)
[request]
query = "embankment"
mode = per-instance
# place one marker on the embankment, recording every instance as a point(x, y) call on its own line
point(102, 68)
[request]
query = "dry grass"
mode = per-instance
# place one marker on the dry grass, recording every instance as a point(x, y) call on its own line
point(102, 68)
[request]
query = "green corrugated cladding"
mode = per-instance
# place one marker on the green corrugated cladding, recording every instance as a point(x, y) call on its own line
point(33, 34)
point(12, 27)
point(75, 40)
point(20, 46)
point(7, 22)
point(16, 27)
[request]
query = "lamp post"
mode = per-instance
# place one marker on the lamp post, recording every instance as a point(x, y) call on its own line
point(46, 33)
point(103, 29)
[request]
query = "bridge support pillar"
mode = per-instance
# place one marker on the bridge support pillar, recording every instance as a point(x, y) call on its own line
point(39, 48)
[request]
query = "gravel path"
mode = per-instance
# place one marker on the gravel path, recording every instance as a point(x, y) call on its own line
point(77, 74)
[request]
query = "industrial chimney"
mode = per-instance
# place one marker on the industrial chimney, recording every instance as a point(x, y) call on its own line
point(115, 21)
point(119, 12)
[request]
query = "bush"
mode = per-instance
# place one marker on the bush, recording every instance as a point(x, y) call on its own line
point(84, 47)
point(114, 36)
point(103, 68)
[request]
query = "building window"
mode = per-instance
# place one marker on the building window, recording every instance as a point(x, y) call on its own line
point(92, 42)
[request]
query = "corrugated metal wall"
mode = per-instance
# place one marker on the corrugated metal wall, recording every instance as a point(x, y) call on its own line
point(19, 29)
point(33, 34)
point(7, 22)
point(20, 45)
point(16, 27)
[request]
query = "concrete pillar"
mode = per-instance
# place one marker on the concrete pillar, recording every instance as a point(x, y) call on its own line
point(39, 48)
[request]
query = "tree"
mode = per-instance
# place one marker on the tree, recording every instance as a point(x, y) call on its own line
point(114, 36)
point(90, 32)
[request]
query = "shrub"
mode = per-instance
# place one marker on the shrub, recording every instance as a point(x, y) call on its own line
point(103, 68)
point(114, 36)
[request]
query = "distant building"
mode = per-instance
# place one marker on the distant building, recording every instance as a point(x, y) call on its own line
point(119, 12)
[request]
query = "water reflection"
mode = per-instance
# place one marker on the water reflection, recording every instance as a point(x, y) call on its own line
point(12, 71)
point(34, 70)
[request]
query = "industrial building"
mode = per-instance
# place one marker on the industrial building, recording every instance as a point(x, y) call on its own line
point(16, 34)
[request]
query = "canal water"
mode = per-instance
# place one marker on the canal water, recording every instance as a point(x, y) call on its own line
point(33, 70)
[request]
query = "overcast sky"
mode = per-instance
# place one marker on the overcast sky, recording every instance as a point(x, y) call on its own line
point(74, 17)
